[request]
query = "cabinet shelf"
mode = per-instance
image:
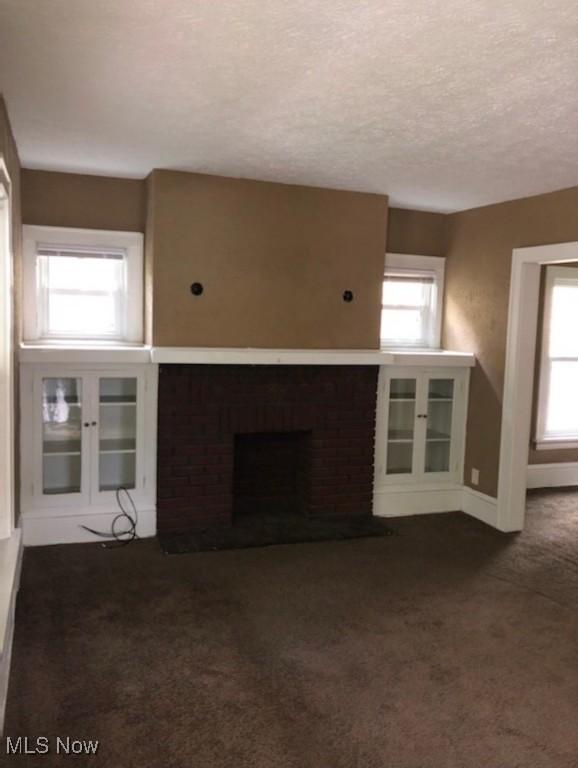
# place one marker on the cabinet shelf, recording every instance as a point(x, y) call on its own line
point(105, 403)
point(107, 488)
point(400, 435)
point(53, 454)
point(122, 445)
point(59, 491)
point(433, 434)
point(61, 448)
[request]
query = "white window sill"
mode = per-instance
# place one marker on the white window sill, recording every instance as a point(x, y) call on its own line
point(84, 353)
point(431, 357)
point(553, 445)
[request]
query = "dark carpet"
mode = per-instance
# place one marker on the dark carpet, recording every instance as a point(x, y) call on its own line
point(268, 530)
point(449, 645)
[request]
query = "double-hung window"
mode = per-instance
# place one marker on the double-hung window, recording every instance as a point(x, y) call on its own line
point(82, 285)
point(411, 301)
point(557, 416)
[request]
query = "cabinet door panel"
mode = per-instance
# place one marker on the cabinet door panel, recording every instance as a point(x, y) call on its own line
point(119, 401)
point(61, 450)
point(440, 413)
point(400, 449)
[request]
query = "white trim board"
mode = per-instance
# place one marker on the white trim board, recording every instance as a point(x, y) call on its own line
point(7, 401)
point(253, 356)
point(481, 506)
point(413, 501)
point(458, 498)
point(552, 475)
point(518, 386)
point(67, 354)
point(42, 528)
point(103, 354)
point(10, 568)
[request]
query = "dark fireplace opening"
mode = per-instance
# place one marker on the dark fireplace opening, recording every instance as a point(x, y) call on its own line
point(271, 474)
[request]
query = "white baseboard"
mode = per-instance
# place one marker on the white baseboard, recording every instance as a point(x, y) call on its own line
point(552, 475)
point(481, 506)
point(412, 501)
point(47, 527)
point(400, 502)
point(10, 566)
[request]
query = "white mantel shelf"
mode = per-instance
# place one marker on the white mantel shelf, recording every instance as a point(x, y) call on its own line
point(252, 356)
point(243, 356)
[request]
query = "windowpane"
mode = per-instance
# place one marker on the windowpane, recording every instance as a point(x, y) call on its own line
point(118, 432)
point(84, 274)
point(402, 326)
point(563, 340)
point(61, 435)
point(410, 292)
point(82, 314)
point(82, 296)
point(562, 409)
point(409, 305)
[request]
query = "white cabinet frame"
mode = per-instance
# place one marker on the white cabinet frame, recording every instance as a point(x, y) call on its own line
point(419, 478)
point(91, 500)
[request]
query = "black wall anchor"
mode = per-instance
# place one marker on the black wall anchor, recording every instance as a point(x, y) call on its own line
point(197, 289)
point(348, 296)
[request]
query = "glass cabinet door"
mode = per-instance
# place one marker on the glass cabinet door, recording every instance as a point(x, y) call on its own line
point(401, 426)
point(117, 402)
point(440, 406)
point(61, 436)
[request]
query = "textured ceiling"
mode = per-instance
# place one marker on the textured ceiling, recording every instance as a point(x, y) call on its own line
point(442, 105)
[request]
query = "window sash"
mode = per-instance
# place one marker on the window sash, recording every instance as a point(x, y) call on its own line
point(546, 436)
point(45, 294)
point(426, 308)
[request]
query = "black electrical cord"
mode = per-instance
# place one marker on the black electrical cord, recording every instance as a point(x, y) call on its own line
point(126, 536)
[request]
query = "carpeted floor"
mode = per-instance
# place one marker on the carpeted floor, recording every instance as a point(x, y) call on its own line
point(448, 645)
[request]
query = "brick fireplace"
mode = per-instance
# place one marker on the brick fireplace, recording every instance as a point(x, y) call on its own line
point(234, 439)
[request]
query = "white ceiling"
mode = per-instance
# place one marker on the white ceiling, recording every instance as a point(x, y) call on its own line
point(443, 105)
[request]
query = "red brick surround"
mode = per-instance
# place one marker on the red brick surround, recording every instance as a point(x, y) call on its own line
point(203, 407)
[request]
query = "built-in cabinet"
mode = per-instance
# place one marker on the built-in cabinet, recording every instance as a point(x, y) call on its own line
point(420, 430)
point(86, 432)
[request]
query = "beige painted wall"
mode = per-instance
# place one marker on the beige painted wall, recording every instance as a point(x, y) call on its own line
point(274, 260)
point(480, 244)
point(88, 202)
point(416, 232)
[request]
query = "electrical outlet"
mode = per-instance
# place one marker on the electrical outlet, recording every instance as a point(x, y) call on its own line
point(475, 476)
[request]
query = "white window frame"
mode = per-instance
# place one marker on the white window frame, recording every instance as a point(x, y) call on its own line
point(542, 439)
point(130, 243)
point(420, 264)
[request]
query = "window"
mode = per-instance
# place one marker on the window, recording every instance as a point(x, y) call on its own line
point(82, 285)
point(557, 418)
point(411, 301)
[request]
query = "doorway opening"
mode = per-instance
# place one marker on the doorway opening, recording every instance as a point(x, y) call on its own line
point(518, 385)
